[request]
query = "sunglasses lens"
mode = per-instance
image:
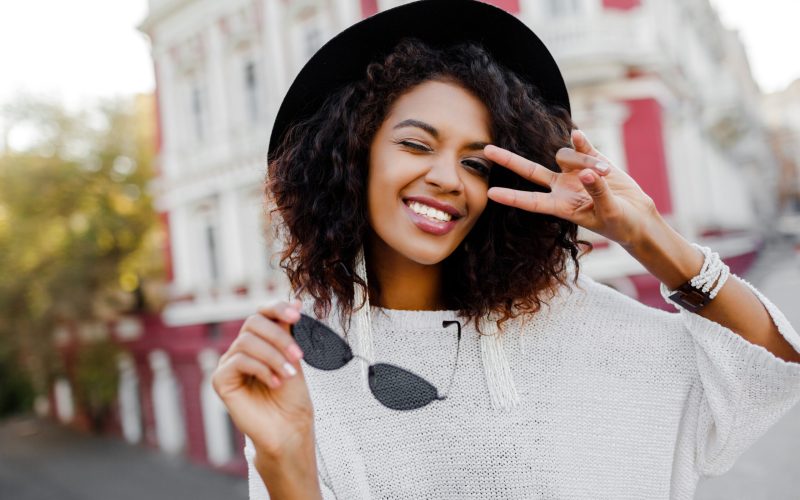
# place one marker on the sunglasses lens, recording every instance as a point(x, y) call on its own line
point(322, 347)
point(399, 389)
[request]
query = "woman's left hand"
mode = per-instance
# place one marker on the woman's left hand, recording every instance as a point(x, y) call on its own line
point(590, 191)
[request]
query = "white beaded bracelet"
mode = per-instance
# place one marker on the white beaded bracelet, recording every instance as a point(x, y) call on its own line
point(707, 283)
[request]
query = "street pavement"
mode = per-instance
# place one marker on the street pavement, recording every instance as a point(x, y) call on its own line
point(769, 470)
point(40, 460)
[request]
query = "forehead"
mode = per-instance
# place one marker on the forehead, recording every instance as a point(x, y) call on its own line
point(447, 106)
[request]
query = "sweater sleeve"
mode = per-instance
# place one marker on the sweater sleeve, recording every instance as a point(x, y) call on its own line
point(744, 388)
point(256, 486)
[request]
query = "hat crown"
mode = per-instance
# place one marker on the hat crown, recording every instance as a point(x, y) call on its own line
point(439, 23)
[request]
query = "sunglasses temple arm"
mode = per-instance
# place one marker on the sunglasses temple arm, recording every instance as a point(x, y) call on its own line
point(455, 365)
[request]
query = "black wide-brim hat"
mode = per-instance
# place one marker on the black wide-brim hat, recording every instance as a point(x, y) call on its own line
point(439, 23)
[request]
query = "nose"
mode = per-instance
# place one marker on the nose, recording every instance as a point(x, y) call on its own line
point(444, 174)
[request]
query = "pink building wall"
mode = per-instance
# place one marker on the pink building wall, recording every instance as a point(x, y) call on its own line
point(621, 4)
point(644, 150)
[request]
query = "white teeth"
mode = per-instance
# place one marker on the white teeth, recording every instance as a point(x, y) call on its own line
point(430, 212)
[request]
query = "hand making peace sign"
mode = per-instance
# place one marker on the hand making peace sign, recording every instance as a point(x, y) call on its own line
point(589, 191)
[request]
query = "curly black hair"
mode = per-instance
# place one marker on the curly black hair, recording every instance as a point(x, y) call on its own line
point(510, 263)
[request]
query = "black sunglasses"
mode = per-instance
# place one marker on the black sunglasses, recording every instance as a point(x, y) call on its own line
point(394, 387)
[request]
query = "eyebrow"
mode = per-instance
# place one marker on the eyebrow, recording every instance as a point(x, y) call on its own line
point(435, 133)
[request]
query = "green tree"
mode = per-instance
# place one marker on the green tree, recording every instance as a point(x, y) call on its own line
point(78, 232)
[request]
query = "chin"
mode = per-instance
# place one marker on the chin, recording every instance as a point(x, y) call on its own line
point(426, 253)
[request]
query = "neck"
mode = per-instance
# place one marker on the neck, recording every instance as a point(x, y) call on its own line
point(405, 284)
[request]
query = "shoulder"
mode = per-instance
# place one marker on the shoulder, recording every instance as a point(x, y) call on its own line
point(584, 299)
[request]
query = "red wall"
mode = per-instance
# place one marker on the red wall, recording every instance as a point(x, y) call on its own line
point(507, 5)
point(621, 4)
point(368, 7)
point(644, 151)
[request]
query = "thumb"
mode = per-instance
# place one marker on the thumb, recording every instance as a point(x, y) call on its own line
point(598, 189)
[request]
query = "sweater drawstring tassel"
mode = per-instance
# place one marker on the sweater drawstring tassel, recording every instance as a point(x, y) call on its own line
point(499, 379)
point(362, 322)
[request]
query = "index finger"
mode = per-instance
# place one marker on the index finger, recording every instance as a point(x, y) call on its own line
point(527, 169)
point(281, 311)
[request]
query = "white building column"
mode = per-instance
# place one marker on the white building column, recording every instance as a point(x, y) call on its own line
point(218, 93)
point(232, 264)
point(129, 405)
point(65, 408)
point(219, 438)
point(348, 13)
point(181, 244)
point(275, 53)
point(166, 404)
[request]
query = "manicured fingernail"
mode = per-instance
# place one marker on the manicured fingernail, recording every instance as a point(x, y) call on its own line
point(295, 352)
point(587, 177)
point(289, 369)
point(602, 166)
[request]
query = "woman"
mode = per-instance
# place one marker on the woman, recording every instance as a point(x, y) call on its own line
point(430, 191)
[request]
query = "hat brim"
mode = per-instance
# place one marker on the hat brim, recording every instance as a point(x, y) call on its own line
point(440, 23)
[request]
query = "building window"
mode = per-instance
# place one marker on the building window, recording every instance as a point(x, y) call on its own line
point(251, 91)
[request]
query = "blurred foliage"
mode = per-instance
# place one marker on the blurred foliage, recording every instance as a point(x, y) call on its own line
point(78, 232)
point(96, 380)
point(16, 391)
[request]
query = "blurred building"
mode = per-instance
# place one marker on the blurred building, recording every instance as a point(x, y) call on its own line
point(666, 92)
point(658, 85)
point(782, 112)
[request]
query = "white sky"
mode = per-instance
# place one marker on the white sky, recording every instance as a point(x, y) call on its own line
point(78, 50)
point(74, 50)
point(769, 31)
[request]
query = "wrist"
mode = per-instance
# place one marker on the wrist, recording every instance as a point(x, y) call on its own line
point(665, 253)
point(290, 474)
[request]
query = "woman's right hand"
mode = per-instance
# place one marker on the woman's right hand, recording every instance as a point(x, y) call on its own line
point(265, 400)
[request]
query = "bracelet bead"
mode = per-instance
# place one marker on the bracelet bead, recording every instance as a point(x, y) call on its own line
point(708, 282)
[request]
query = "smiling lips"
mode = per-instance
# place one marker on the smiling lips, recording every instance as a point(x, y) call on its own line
point(431, 216)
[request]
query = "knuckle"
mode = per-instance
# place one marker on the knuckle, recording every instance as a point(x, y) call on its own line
point(284, 341)
point(245, 339)
point(263, 349)
point(237, 359)
point(250, 322)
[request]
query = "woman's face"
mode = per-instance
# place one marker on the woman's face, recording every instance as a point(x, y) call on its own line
point(428, 176)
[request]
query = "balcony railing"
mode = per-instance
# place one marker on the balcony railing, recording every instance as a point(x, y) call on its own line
point(625, 38)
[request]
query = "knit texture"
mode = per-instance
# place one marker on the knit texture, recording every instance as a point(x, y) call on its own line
point(616, 401)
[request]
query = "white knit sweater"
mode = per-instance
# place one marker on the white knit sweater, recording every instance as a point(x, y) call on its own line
point(616, 401)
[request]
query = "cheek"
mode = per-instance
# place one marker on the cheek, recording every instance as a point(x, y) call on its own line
point(478, 197)
point(383, 185)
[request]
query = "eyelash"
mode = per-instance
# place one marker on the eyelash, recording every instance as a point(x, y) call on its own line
point(475, 165)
